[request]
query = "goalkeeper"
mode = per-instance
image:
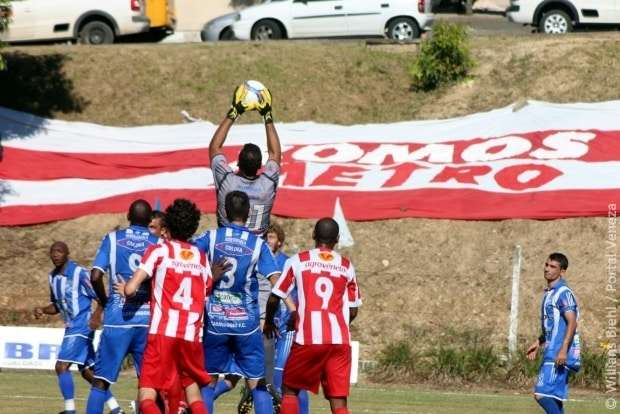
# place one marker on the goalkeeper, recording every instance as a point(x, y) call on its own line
point(260, 188)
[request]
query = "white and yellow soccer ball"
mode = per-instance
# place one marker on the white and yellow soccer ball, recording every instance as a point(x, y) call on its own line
point(253, 95)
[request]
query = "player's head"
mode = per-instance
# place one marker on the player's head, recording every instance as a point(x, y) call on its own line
point(274, 235)
point(139, 213)
point(59, 253)
point(157, 226)
point(237, 206)
point(326, 232)
point(250, 160)
point(182, 218)
point(555, 266)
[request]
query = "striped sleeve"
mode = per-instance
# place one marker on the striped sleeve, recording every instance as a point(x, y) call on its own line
point(150, 260)
point(286, 281)
point(567, 302)
point(353, 290)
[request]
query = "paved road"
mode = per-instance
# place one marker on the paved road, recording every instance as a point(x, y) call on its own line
point(487, 24)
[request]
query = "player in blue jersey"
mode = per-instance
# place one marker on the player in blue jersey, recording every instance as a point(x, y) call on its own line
point(559, 339)
point(125, 322)
point(232, 330)
point(71, 295)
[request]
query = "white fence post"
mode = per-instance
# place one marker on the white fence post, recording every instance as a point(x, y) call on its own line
point(514, 302)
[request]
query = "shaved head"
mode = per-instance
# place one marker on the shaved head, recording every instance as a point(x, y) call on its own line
point(140, 213)
point(61, 246)
point(59, 253)
point(326, 232)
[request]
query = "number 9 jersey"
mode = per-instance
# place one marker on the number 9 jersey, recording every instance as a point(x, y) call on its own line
point(326, 289)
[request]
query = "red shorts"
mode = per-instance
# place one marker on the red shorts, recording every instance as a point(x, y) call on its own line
point(310, 365)
point(166, 357)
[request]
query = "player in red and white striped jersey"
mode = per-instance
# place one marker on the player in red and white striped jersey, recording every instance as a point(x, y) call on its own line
point(328, 297)
point(180, 281)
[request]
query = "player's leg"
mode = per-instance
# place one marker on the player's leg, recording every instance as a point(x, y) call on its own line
point(290, 402)
point(250, 357)
point(552, 387)
point(218, 357)
point(192, 375)
point(336, 378)
point(147, 398)
point(138, 338)
point(65, 383)
point(304, 402)
point(113, 346)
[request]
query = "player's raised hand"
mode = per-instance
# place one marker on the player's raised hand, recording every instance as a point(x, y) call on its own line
point(219, 268)
point(533, 350)
point(237, 106)
point(264, 105)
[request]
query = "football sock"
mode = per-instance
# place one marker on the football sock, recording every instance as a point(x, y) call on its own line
point(560, 406)
point(207, 398)
point(304, 402)
point(220, 388)
point(262, 401)
point(197, 407)
point(290, 404)
point(111, 401)
point(96, 400)
point(341, 410)
point(549, 405)
point(65, 382)
point(149, 407)
point(277, 379)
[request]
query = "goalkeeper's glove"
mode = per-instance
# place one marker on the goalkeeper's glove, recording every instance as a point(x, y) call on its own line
point(264, 106)
point(237, 107)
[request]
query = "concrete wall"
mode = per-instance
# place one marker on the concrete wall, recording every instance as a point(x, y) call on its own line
point(193, 14)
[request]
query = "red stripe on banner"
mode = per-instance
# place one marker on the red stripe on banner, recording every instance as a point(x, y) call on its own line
point(429, 203)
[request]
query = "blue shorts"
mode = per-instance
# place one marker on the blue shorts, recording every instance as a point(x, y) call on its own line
point(283, 349)
point(225, 354)
point(78, 349)
point(552, 381)
point(114, 346)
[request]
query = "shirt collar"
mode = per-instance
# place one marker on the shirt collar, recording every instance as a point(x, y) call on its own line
point(558, 284)
point(138, 227)
point(236, 226)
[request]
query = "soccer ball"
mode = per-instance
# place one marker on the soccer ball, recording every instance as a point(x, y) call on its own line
point(253, 95)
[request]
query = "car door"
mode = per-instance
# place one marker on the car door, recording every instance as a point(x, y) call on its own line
point(598, 11)
point(55, 18)
point(22, 25)
point(317, 18)
point(365, 17)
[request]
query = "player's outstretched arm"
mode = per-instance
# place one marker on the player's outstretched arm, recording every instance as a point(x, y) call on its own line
point(50, 309)
point(217, 142)
point(533, 350)
point(134, 283)
point(96, 278)
point(273, 143)
point(571, 319)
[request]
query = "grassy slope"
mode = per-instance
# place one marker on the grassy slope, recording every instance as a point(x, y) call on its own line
point(344, 82)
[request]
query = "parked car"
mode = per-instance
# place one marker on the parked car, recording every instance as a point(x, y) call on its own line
point(278, 19)
point(219, 28)
point(562, 16)
point(89, 21)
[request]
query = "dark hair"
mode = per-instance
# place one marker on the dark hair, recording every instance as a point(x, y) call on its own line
point(278, 230)
point(561, 259)
point(250, 160)
point(182, 218)
point(237, 205)
point(326, 231)
point(156, 214)
point(140, 213)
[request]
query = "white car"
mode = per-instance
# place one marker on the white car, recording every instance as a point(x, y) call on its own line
point(561, 16)
point(90, 21)
point(278, 19)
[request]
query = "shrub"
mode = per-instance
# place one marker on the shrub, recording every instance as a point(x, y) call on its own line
point(5, 13)
point(443, 58)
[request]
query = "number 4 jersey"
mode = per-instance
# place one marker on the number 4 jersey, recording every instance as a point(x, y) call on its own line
point(326, 289)
point(180, 280)
point(119, 255)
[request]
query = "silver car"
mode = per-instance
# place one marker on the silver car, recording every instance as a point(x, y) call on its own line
point(219, 28)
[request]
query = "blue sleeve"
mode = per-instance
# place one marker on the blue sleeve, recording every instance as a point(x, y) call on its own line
point(266, 263)
point(87, 287)
point(102, 260)
point(53, 300)
point(567, 302)
point(202, 242)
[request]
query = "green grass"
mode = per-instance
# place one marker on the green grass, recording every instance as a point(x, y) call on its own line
point(36, 392)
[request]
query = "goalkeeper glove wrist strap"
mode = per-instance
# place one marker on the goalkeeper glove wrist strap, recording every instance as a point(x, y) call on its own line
point(268, 118)
point(232, 114)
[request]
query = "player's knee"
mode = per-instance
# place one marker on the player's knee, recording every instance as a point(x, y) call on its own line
point(101, 384)
point(61, 367)
point(289, 391)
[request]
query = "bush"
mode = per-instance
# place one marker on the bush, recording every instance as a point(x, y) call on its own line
point(443, 58)
point(5, 13)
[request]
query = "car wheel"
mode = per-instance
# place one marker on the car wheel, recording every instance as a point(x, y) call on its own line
point(555, 22)
point(96, 33)
point(266, 30)
point(227, 34)
point(403, 28)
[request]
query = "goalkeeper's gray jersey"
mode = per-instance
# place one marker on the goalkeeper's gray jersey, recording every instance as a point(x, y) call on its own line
point(261, 191)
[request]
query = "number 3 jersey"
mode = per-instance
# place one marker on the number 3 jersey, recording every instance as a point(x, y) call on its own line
point(180, 282)
point(326, 289)
point(119, 255)
point(233, 308)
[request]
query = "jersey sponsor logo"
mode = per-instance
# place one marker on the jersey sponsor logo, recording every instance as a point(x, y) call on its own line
point(133, 243)
point(236, 313)
point(329, 267)
point(234, 249)
point(326, 256)
point(187, 254)
point(228, 298)
point(181, 266)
